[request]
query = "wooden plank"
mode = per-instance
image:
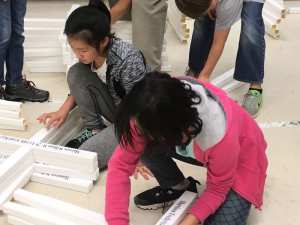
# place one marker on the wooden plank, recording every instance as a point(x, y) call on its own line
point(12, 124)
point(66, 182)
point(223, 79)
point(80, 160)
point(10, 106)
point(178, 210)
point(61, 171)
point(33, 215)
point(19, 182)
point(16, 221)
point(294, 10)
point(59, 208)
point(22, 157)
point(10, 114)
point(42, 52)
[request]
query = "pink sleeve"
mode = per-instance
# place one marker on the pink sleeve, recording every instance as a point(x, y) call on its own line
point(221, 170)
point(121, 166)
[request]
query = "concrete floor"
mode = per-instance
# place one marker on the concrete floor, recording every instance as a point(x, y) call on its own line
point(281, 93)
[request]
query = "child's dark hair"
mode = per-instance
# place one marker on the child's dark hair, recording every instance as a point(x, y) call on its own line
point(90, 24)
point(163, 108)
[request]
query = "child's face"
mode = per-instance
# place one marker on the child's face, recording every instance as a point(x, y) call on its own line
point(85, 53)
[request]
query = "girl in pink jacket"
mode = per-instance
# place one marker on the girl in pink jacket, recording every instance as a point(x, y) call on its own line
point(164, 118)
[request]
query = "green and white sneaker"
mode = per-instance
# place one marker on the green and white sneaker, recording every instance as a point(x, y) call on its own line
point(252, 102)
point(81, 138)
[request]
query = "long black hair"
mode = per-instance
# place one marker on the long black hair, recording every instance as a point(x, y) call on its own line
point(91, 23)
point(163, 108)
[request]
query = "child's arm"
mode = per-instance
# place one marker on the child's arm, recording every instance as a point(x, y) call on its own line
point(121, 166)
point(220, 37)
point(119, 9)
point(55, 119)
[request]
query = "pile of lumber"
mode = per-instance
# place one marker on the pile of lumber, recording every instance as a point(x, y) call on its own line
point(10, 116)
point(43, 47)
point(39, 160)
point(178, 22)
point(273, 14)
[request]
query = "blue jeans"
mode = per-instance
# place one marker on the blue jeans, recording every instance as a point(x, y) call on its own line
point(250, 59)
point(12, 13)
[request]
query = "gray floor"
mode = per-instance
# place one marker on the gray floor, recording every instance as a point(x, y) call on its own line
point(281, 103)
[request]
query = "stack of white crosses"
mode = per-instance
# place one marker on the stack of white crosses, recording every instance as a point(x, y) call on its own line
point(11, 116)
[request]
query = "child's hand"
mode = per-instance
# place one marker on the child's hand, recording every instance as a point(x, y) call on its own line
point(53, 119)
point(142, 170)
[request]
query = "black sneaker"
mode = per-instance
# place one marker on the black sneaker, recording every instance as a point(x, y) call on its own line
point(1, 92)
point(25, 91)
point(157, 197)
point(80, 139)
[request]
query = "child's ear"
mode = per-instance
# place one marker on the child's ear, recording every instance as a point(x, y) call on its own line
point(103, 44)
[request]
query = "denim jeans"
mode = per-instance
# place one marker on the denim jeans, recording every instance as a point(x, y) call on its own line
point(250, 58)
point(12, 13)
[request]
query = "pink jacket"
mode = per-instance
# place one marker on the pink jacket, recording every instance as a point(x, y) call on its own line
point(237, 162)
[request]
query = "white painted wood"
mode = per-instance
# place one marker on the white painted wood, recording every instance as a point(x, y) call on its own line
point(80, 160)
point(42, 52)
point(178, 210)
point(12, 124)
point(294, 10)
point(16, 221)
point(56, 134)
point(275, 8)
point(223, 79)
point(44, 30)
point(33, 215)
point(10, 106)
point(23, 156)
point(51, 43)
point(272, 17)
point(65, 172)
point(10, 114)
point(45, 22)
point(66, 182)
point(59, 208)
point(19, 182)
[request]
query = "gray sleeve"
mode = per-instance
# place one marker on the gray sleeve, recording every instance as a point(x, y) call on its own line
point(228, 12)
point(133, 69)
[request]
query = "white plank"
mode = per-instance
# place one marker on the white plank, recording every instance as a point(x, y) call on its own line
point(12, 124)
point(33, 215)
point(43, 30)
point(42, 52)
point(45, 22)
point(10, 114)
point(19, 182)
point(223, 79)
point(178, 210)
point(65, 172)
point(16, 221)
point(83, 161)
point(59, 208)
point(22, 157)
point(74, 184)
point(11, 106)
point(294, 10)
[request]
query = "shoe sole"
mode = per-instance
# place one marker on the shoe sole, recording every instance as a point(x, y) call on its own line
point(18, 99)
point(155, 206)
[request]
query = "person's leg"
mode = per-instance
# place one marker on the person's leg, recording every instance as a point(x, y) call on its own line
point(234, 211)
point(172, 183)
point(15, 53)
point(91, 96)
point(5, 34)
point(200, 45)
point(17, 88)
point(148, 27)
point(104, 144)
point(251, 55)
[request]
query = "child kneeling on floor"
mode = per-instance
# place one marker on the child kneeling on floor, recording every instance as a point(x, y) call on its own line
point(165, 118)
point(88, 29)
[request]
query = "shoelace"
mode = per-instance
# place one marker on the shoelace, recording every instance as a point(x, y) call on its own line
point(29, 84)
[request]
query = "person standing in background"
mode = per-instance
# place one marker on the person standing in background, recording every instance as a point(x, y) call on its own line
point(17, 88)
